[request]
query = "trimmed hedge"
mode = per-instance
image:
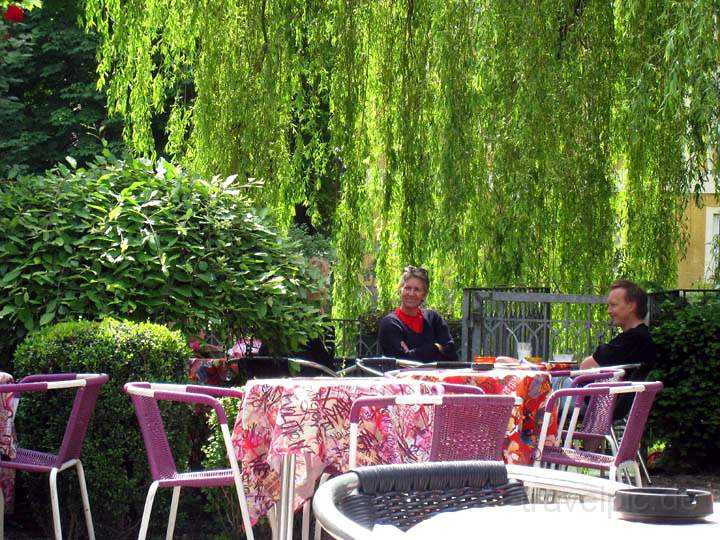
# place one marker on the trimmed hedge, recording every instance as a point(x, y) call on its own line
point(113, 456)
point(685, 415)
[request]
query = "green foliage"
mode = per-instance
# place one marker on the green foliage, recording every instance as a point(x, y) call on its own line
point(49, 106)
point(496, 143)
point(685, 414)
point(223, 502)
point(146, 241)
point(113, 454)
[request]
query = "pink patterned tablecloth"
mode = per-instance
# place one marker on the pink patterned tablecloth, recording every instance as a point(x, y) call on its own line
point(533, 386)
point(310, 419)
point(8, 441)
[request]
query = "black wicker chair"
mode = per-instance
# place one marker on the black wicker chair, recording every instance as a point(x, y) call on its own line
point(404, 495)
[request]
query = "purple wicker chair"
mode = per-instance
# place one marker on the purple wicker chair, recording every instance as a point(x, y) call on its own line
point(465, 426)
point(630, 442)
point(162, 464)
point(437, 450)
point(87, 390)
point(597, 421)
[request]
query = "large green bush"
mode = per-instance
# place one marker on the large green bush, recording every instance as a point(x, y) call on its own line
point(685, 415)
point(114, 457)
point(146, 241)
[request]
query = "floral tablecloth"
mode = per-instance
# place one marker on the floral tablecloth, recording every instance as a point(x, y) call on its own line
point(533, 386)
point(8, 441)
point(309, 417)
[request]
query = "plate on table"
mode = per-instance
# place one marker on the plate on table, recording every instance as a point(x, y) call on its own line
point(508, 365)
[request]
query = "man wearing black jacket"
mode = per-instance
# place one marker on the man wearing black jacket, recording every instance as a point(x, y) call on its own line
point(627, 307)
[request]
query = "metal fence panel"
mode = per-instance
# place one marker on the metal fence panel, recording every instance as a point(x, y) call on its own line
point(494, 321)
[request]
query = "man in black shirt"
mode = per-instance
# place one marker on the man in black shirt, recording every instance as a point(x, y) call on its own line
point(627, 307)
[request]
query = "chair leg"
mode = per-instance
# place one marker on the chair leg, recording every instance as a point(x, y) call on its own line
point(173, 513)
point(644, 468)
point(636, 471)
point(306, 520)
point(272, 519)
point(2, 514)
point(148, 509)
point(318, 528)
point(85, 500)
point(55, 504)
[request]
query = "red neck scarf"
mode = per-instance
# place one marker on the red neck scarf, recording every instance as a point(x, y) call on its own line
point(414, 323)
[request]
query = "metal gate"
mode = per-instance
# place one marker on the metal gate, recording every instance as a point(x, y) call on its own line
point(494, 321)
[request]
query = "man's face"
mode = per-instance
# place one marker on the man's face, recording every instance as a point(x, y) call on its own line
point(620, 310)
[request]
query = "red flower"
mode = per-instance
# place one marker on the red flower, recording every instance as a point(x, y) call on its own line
point(14, 13)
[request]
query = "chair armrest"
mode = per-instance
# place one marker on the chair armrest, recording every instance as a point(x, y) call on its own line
point(607, 374)
point(314, 365)
point(176, 393)
point(217, 391)
point(449, 365)
point(451, 388)
point(324, 503)
point(365, 364)
point(92, 378)
point(46, 377)
point(368, 401)
point(600, 389)
point(43, 383)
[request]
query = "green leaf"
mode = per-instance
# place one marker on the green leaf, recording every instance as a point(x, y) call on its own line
point(10, 276)
point(47, 317)
point(115, 212)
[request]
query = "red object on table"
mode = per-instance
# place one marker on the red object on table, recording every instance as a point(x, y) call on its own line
point(310, 418)
point(8, 440)
point(532, 386)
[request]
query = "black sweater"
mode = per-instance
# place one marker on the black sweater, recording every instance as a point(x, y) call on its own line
point(630, 347)
point(421, 346)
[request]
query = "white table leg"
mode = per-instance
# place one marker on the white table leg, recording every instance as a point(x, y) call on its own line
point(272, 519)
point(287, 498)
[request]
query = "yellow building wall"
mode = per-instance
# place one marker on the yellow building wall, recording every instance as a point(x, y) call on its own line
point(692, 267)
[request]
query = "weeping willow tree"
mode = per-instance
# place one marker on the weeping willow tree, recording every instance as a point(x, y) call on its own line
point(497, 142)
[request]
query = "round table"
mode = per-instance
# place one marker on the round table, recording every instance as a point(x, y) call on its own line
point(589, 520)
point(289, 431)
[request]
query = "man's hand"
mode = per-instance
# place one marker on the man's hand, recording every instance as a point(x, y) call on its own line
point(589, 363)
point(439, 347)
point(404, 347)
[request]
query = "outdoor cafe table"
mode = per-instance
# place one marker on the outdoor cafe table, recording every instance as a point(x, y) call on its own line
point(282, 420)
point(589, 520)
point(532, 386)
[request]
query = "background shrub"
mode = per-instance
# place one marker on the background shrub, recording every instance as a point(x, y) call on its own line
point(114, 457)
point(145, 241)
point(685, 415)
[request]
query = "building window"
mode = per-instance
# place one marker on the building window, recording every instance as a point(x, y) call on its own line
point(712, 242)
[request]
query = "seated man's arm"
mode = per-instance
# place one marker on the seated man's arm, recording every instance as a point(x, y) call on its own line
point(589, 363)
